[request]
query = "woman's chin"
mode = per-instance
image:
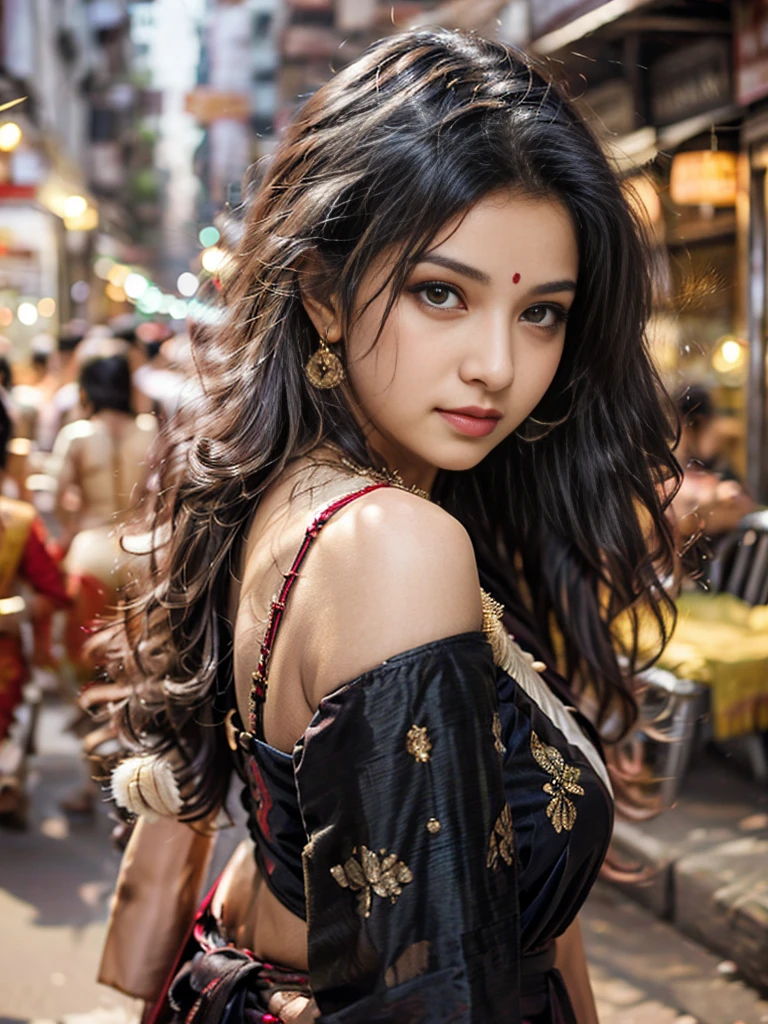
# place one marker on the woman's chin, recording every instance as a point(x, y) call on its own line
point(460, 460)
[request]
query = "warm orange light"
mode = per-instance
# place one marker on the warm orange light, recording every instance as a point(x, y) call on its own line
point(115, 292)
point(6, 316)
point(703, 178)
point(118, 275)
point(46, 307)
point(643, 195)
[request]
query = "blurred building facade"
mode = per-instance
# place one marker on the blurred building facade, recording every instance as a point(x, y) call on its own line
point(65, 154)
point(678, 94)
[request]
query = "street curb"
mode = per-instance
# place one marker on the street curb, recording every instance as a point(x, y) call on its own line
point(716, 894)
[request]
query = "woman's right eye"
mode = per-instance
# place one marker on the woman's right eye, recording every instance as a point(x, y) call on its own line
point(439, 296)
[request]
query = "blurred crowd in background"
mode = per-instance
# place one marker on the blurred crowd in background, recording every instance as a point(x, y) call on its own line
point(78, 419)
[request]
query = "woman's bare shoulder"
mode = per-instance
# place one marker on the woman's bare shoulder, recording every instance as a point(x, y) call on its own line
point(392, 572)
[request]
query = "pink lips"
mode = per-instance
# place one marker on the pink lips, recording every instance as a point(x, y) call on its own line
point(472, 420)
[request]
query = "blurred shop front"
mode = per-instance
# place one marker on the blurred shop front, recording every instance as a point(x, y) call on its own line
point(46, 218)
point(751, 85)
point(657, 85)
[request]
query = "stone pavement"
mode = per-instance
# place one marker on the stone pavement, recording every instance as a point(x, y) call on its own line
point(708, 860)
point(644, 972)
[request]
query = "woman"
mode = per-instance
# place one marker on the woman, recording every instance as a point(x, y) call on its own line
point(433, 368)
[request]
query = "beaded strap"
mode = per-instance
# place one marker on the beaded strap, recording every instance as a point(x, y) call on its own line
point(277, 609)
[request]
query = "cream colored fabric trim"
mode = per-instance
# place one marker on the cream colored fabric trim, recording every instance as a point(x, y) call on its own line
point(519, 664)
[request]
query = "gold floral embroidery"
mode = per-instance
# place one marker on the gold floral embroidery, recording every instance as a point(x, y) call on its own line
point(565, 779)
point(418, 743)
point(497, 740)
point(380, 873)
point(502, 842)
point(493, 628)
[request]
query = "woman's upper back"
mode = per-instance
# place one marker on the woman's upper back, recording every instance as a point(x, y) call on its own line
point(391, 572)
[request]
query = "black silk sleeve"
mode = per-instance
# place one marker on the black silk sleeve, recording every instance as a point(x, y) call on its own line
point(409, 868)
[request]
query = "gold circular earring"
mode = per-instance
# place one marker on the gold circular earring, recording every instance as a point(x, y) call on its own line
point(324, 369)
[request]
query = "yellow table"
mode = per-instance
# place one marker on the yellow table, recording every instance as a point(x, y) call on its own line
point(722, 642)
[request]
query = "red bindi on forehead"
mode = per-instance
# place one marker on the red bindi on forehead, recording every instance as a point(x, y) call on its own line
point(515, 278)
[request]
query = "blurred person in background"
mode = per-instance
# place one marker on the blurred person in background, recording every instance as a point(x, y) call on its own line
point(101, 466)
point(159, 381)
point(35, 386)
point(24, 559)
point(65, 402)
point(711, 497)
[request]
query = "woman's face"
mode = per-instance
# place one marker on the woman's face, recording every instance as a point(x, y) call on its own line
point(473, 341)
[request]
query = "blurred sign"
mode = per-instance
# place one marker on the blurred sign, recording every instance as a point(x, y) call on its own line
point(207, 105)
point(751, 49)
point(703, 178)
point(690, 81)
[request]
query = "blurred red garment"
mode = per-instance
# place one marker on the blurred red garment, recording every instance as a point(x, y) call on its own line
point(24, 556)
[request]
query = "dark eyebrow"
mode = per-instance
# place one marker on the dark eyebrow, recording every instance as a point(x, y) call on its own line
point(554, 286)
point(456, 266)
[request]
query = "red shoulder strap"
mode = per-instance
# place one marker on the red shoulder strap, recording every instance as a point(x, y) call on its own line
point(277, 608)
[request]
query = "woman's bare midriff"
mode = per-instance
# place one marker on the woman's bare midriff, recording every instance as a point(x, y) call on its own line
point(253, 918)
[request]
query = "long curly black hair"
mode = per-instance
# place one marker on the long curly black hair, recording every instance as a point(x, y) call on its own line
point(568, 511)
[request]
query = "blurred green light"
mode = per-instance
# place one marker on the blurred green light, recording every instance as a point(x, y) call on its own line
point(209, 236)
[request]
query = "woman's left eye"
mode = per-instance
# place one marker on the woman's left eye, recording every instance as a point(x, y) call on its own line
point(439, 296)
point(545, 315)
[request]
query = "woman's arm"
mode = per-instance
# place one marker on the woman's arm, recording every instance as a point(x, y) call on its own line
point(571, 961)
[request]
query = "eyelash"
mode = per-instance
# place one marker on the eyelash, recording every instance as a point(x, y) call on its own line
point(419, 290)
point(561, 314)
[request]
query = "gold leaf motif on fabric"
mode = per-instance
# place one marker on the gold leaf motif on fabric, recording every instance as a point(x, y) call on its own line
point(380, 873)
point(561, 811)
point(501, 846)
point(497, 737)
point(418, 743)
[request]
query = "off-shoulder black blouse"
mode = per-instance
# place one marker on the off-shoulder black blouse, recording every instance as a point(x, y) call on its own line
point(439, 824)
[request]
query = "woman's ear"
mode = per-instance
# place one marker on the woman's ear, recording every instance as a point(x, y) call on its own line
point(322, 307)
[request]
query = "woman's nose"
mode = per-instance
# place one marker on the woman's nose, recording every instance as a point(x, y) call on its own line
point(490, 358)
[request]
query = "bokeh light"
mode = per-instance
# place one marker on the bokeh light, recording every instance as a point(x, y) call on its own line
point(46, 307)
point(10, 136)
point(213, 259)
point(149, 302)
point(102, 267)
point(135, 285)
point(178, 309)
point(80, 291)
point(27, 313)
point(118, 275)
point(75, 206)
point(187, 284)
point(209, 236)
